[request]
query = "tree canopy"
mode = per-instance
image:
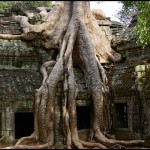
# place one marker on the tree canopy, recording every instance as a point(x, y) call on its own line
point(143, 21)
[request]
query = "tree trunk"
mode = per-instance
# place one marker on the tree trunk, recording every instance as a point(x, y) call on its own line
point(71, 28)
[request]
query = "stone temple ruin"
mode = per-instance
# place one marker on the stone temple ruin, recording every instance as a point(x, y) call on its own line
point(128, 101)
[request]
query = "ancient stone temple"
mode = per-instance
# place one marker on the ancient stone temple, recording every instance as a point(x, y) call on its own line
point(130, 88)
point(18, 70)
point(19, 77)
point(128, 101)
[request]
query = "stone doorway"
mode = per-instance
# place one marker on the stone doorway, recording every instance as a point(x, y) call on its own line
point(24, 124)
point(0, 125)
point(121, 115)
point(83, 117)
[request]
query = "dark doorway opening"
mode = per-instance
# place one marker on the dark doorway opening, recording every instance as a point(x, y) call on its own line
point(121, 115)
point(83, 117)
point(24, 124)
point(0, 125)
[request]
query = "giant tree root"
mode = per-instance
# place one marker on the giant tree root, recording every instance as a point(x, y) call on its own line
point(80, 42)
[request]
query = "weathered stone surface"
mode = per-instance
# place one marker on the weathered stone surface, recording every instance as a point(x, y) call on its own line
point(130, 84)
point(18, 85)
point(99, 14)
point(84, 134)
point(15, 54)
point(147, 142)
point(104, 22)
point(8, 25)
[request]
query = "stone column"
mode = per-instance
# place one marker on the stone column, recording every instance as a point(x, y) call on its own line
point(9, 124)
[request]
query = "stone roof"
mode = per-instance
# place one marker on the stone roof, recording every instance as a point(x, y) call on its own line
point(116, 28)
point(128, 34)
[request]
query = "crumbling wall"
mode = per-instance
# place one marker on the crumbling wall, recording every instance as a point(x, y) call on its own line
point(130, 84)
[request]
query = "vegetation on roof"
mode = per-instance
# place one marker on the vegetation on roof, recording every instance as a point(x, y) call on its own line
point(142, 9)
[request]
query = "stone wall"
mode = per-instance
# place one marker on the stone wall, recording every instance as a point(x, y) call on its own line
point(19, 77)
point(130, 84)
point(8, 25)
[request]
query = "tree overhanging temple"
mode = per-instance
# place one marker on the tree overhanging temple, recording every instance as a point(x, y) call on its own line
point(70, 27)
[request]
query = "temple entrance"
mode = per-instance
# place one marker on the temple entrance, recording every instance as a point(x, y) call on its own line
point(121, 115)
point(24, 124)
point(83, 117)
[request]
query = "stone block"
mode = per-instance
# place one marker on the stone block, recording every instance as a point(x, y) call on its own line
point(140, 68)
point(140, 74)
point(99, 14)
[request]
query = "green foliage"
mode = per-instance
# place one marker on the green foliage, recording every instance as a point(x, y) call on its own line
point(143, 21)
point(6, 5)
